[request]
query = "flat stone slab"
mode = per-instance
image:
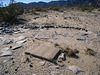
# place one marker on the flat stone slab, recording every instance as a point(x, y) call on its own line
point(47, 52)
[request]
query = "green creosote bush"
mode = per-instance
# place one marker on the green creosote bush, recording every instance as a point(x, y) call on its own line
point(61, 49)
point(9, 15)
point(54, 61)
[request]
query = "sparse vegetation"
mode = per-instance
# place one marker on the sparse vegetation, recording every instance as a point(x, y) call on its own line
point(42, 9)
point(56, 44)
point(54, 61)
point(55, 8)
point(90, 52)
point(86, 8)
point(9, 15)
point(69, 52)
point(61, 49)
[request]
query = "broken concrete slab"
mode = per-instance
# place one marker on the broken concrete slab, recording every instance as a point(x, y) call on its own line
point(44, 51)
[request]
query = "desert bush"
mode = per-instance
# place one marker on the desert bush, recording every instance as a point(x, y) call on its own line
point(90, 52)
point(42, 9)
point(9, 15)
point(55, 8)
point(69, 52)
point(54, 61)
point(56, 44)
point(61, 49)
point(27, 10)
point(98, 9)
point(86, 8)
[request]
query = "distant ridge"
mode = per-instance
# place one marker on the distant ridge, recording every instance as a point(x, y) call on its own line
point(62, 3)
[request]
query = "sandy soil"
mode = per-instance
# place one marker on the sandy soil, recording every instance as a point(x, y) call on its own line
point(65, 37)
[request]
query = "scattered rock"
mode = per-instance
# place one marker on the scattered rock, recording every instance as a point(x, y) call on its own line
point(62, 57)
point(34, 27)
point(1, 28)
point(98, 34)
point(1, 38)
point(35, 18)
point(16, 47)
point(4, 49)
point(75, 69)
point(7, 41)
point(16, 69)
point(79, 28)
point(19, 38)
point(33, 74)
point(42, 63)
point(5, 52)
point(9, 32)
point(16, 32)
point(0, 69)
point(67, 17)
point(8, 60)
point(61, 64)
point(84, 34)
point(88, 42)
point(55, 73)
point(1, 33)
point(31, 65)
point(24, 27)
point(64, 35)
point(55, 67)
point(98, 54)
point(21, 42)
point(6, 72)
point(81, 38)
point(47, 26)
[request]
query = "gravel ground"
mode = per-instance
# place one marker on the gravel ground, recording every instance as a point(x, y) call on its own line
point(70, 29)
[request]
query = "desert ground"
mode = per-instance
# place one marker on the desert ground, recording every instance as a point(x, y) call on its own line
point(72, 29)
